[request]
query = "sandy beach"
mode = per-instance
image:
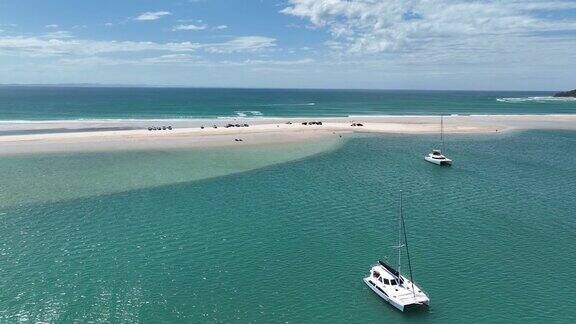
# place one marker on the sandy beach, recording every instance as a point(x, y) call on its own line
point(21, 137)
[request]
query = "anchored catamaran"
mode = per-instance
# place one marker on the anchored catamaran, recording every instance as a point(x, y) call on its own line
point(436, 156)
point(390, 284)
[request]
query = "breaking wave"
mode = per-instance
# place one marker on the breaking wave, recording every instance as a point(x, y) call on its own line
point(282, 104)
point(249, 113)
point(296, 104)
point(536, 99)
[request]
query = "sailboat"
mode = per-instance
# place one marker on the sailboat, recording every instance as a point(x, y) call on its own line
point(436, 156)
point(389, 283)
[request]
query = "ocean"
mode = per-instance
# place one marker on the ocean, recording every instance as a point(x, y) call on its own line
point(291, 239)
point(66, 103)
point(285, 233)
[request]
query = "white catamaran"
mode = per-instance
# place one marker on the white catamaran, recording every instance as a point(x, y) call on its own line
point(436, 156)
point(390, 284)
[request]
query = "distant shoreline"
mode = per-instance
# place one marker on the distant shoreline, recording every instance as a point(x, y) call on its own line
point(151, 86)
point(102, 135)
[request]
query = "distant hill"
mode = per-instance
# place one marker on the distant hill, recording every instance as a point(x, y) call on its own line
point(571, 93)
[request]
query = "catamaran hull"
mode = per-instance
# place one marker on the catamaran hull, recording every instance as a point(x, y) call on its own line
point(445, 162)
point(391, 301)
point(383, 295)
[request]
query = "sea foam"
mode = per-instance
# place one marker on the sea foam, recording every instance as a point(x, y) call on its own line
point(249, 113)
point(536, 99)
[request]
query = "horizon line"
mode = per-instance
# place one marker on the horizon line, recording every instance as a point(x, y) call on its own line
point(120, 85)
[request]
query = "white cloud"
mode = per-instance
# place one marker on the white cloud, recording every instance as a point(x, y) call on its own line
point(155, 15)
point(269, 62)
point(171, 58)
point(183, 59)
point(51, 26)
point(69, 46)
point(190, 27)
point(42, 46)
point(108, 24)
point(222, 27)
point(374, 26)
point(59, 34)
point(243, 44)
point(168, 59)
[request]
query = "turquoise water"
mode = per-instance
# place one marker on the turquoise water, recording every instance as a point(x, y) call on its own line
point(56, 177)
point(39, 103)
point(491, 239)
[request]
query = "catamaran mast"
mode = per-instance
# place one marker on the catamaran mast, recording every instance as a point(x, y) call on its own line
point(400, 237)
point(442, 133)
point(406, 244)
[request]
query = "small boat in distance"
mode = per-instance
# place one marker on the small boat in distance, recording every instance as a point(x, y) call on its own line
point(389, 283)
point(436, 156)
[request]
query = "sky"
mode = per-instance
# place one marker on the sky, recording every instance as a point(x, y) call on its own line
point(369, 44)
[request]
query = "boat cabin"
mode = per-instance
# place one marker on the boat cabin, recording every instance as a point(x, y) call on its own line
point(437, 154)
point(383, 276)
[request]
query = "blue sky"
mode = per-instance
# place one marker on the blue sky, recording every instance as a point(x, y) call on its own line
point(385, 44)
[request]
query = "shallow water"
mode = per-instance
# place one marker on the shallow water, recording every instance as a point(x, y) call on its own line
point(490, 239)
point(54, 177)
